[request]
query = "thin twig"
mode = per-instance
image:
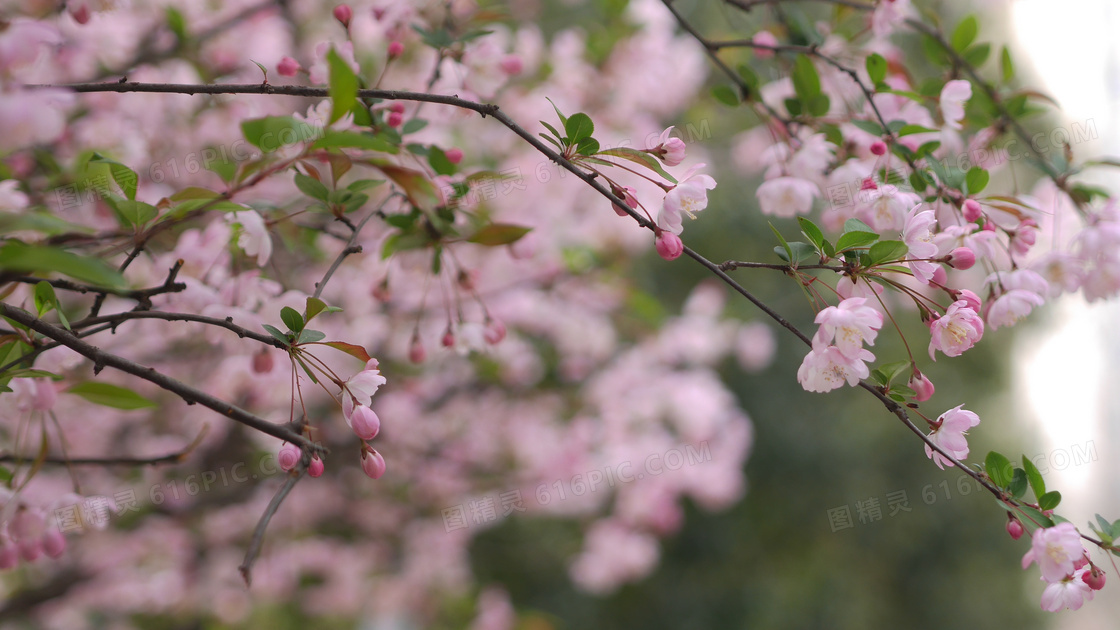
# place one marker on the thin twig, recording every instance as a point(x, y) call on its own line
point(255, 543)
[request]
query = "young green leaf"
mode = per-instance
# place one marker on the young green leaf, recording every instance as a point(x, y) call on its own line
point(785, 246)
point(110, 395)
point(811, 231)
point(1038, 485)
point(497, 234)
point(999, 469)
point(343, 86)
point(976, 179)
point(275, 332)
point(887, 251)
point(726, 95)
point(964, 34)
point(850, 240)
point(806, 81)
point(876, 68)
point(1018, 485)
point(578, 127)
point(291, 318)
point(312, 187)
point(1050, 500)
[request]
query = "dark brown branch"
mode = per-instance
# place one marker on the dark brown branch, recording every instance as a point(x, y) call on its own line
point(190, 395)
point(170, 458)
point(255, 543)
point(747, 5)
point(226, 323)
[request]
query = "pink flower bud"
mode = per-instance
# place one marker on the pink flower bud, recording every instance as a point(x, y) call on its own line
point(416, 352)
point(764, 38)
point(262, 362)
point(962, 258)
point(448, 339)
point(395, 119)
point(396, 49)
point(30, 550)
point(373, 464)
point(380, 290)
point(365, 422)
point(974, 302)
point(1015, 528)
point(454, 155)
point(989, 226)
point(288, 457)
point(922, 386)
point(669, 246)
point(316, 467)
point(343, 13)
point(879, 147)
point(80, 13)
point(511, 65)
point(54, 543)
point(396, 107)
point(9, 555)
point(495, 331)
point(1094, 578)
point(868, 184)
point(971, 210)
point(287, 67)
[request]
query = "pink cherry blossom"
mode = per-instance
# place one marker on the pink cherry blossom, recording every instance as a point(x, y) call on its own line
point(954, 425)
point(1055, 549)
point(689, 196)
point(850, 324)
point(1070, 592)
point(454, 155)
point(825, 369)
point(396, 49)
point(955, 331)
point(361, 387)
point(671, 150)
point(786, 196)
point(916, 233)
point(1009, 308)
point(253, 237)
point(764, 38)
point(953, 98)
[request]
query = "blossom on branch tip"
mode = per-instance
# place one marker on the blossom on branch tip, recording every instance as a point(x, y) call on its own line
point(956, 331)
point(343, 13)
point(689, 196)
point(1056, 549)
point(922, 386)
point(850, 324)
point(671, 150)
point(1069, 592)
point(373, 464)
point(361, 387)
point(825, 369)
point(949, 435)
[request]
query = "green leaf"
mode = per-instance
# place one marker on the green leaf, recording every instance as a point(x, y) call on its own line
point(499, 234)
point(109, 395)
point(194, 192)
point(176, 24)
point(870, 127)
point(804, 252)
point(855, 225)
point(892, 370)
point(639, 157)
point(886, 251)
point(587, 146)
point(364, 184)
point(563, 118)
point(404, 242)
point(1038, 485)
point(275, 332)
point(270, 133)
point(45, 299)
point(785, 246)
point(811, 231)
point(819, 105)
point(1050, 500)
point(313, 307)
point(264, 70)
point(413, 125)
point(439, 162)
point(726, 95)
point(964, 34)
point(332, 139)
point(134, 213)
point(907, 130)
point(750, 79)
point(876, 68)
point(310, 336)
point(312, 187)
point(793, 106)
point(343, 84)
point(291, 318)
point(421, 192)
point(977, 55)
point(806, 81)
point(998, 468)
point(1018, 485)
point(357, 352)
point(1007, 70)
point(1035, 517)
point(125, 177)
point(16, 256)
point(976, 179)
point(850, 240)
point(578, 127)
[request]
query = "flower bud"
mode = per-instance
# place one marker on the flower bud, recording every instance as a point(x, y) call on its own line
point(972, 299)
point(343, 13)
point(939, 276)
point(262, 362)
point(288, 457)
point(416, 352)
point(80, 13)
point(764, 38)
point(373, 464)
point(495, 331)
point(448, 339)
point(868, 184)
point(396, 49)
point(316, 467)
point(454, 155)
point(1015, 528)
point(971, 210)
point(395, 119)
point(287, 67)
point(962, 258)
point(365, 422)
point(54, 543)
point(397, 106)
point(879, 147)
point(1094, 578)
point(511, 65)
point(922, 386)
point(669, 245)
